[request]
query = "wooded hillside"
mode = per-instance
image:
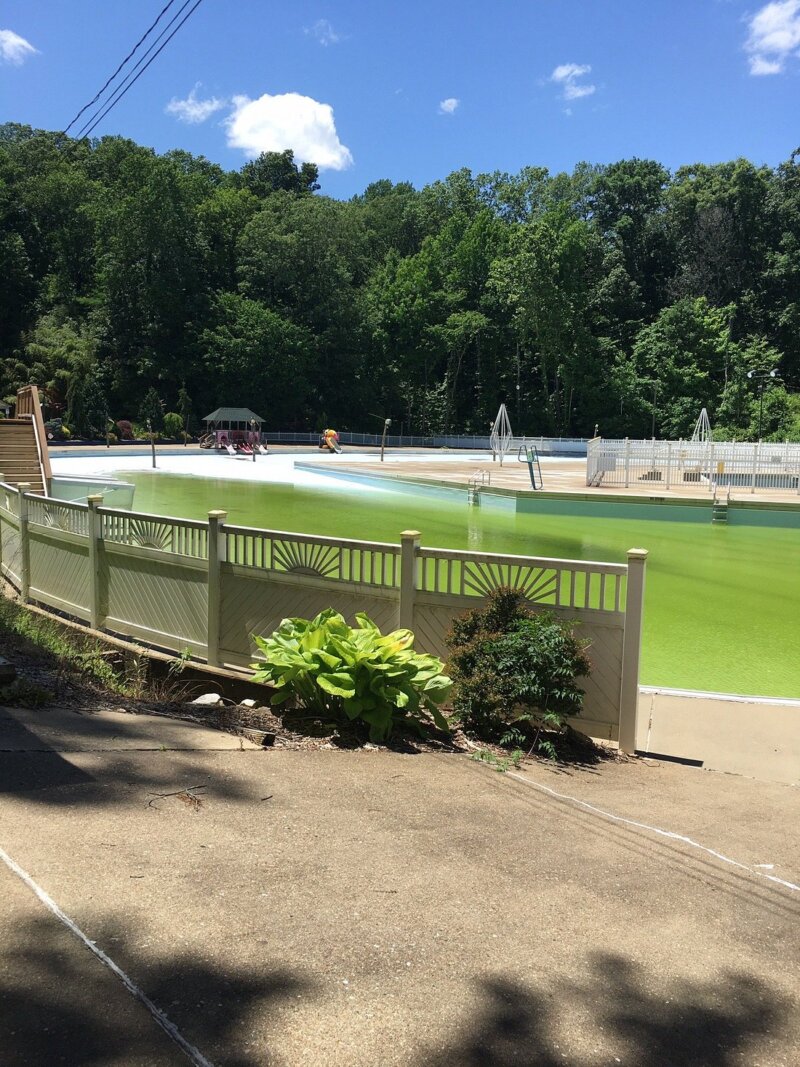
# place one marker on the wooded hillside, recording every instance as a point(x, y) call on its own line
point(578, 299)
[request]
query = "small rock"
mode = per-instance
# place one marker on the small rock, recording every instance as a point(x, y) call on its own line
point(248, 703)
point(208, 700)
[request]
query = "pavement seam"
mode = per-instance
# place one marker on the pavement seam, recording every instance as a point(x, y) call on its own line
point(195, 1056)
point(671, 834)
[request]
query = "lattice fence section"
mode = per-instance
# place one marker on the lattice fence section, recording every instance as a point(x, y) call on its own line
point(59, 515)
point(551, 582)
point(59, 574)
point(181, 537)
point(367, 562)
point(153, 599)
point(258, 605)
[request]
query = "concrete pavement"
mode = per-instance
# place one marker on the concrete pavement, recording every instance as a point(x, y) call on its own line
point(369, 908)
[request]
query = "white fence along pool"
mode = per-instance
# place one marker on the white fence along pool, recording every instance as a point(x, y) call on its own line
point(206, 587)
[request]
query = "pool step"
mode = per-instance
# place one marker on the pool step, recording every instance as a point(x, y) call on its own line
point(719, 513)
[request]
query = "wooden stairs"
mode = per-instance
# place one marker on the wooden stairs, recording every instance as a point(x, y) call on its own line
point(23, 444)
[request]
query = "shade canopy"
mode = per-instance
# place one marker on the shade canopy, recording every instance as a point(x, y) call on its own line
point(233, 417)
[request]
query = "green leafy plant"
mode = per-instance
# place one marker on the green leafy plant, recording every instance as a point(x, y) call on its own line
point(515, 672)
point(500, 764)
point(173, 424)
point(338, 671)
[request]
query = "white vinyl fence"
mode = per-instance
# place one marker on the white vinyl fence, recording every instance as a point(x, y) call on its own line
point(710, 464)
point(208, 586)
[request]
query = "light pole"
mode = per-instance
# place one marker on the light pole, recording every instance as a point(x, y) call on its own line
point(253, 438)
point(386, 424)
point(762, 380)
point(653, 426)
point(152, 441)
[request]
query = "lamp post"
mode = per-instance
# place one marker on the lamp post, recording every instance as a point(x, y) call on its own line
point(152, 442)
point(253, 438)
point(762, 379)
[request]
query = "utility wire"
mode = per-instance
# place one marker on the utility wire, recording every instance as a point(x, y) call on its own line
point(129, 79)
point(118, 94)
point(126, 60)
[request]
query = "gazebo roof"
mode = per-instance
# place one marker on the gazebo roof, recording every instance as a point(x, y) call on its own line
point(233, 415)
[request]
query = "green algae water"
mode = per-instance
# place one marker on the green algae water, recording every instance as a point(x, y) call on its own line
point(722, 603)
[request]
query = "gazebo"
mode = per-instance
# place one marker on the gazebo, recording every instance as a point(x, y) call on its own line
point(232, 426)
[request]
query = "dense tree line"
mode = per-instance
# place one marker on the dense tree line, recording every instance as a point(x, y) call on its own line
point(621, 296)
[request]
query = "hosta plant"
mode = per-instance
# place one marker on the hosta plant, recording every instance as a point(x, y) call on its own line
point(336, 671)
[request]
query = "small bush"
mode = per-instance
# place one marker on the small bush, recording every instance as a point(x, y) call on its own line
point(125, 430)
point(173, 424)
point(112, 438)
point(515, 671)
point(338, 671)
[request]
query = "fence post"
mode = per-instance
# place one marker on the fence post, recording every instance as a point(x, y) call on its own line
point(216, 555)
point(631, 649)
point(669, 464)
point(95, 535)
point(24, 544)
point(627, 462)
point(2, 479)
point(409, 547)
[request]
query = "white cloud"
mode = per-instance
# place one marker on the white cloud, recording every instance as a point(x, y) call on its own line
point(193, 110)
point(324, 33)
point(774, 36)
point(448, 106)
point(287, 120)
point(567, 74)
point(15, 49)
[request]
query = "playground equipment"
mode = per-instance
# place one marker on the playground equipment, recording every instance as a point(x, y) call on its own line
point(500, 435)
point(236, 431)
point(528, 454)
point(330, 440)
point(702, 428)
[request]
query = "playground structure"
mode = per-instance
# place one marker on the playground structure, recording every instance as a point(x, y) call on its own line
point(329, 440)
point(236, 431)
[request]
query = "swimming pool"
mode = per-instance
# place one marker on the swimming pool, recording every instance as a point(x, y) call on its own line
point(721, 603)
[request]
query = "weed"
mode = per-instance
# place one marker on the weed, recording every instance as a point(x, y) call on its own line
point(514, 759)
point(25, 694)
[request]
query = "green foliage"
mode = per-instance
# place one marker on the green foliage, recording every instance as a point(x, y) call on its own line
point(499, 763)
point(151, 413)
point(173, 424)
point(514, 670)
point(338, 671)
point(573, 297)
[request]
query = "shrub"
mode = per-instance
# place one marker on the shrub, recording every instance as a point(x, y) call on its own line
point(338, 671)
point(125, 430)
point(515, 670)
point(173, 424)
point(66, 433)
point(112, 438)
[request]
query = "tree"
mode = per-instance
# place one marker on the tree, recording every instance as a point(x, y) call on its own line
point(273, 172)
point(151, 412)
point(87, 415)
point(185, 409)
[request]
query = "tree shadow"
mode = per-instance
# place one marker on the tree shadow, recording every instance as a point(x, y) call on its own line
point(61, 1005)
point(620, 1013)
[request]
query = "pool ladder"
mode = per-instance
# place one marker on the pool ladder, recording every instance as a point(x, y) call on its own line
point(481, 479)
point(719, 508)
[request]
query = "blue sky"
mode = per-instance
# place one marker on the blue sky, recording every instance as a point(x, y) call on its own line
point(413, 91)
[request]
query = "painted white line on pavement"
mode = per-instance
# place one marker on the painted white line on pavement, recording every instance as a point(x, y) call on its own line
point(195, 1056)
point(657, 830)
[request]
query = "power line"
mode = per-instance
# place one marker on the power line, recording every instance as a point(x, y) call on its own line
point(126, 60)
point(129, 79)
point(118, 94)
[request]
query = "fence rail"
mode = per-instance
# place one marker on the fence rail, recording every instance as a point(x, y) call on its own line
point(207, 587)
point(709, 464)
point(480, 443)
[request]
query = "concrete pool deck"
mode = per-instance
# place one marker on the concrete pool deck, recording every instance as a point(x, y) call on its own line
point(561, 475)
point(350, 909)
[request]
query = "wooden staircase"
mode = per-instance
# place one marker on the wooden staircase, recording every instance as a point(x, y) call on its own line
point(19, 456)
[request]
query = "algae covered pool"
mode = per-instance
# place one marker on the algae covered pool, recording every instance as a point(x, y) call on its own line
point(722, 603)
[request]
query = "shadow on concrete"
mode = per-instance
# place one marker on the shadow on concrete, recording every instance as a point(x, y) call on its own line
point(640, 1019)
point(61, 1005)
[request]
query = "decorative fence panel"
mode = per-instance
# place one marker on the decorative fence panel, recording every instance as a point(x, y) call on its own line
point(207, 587)
point(591, 594)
